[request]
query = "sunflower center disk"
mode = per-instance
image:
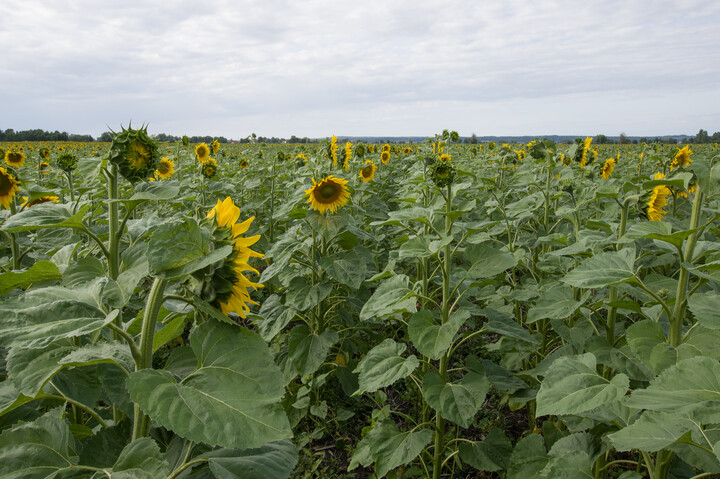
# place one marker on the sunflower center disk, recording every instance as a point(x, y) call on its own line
point(5, 184)
point(328, 191)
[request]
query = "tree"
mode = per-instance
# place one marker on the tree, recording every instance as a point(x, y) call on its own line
point(624, 140)
point(702, 137)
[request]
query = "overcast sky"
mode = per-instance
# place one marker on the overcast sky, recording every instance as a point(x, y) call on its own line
point(362, 67)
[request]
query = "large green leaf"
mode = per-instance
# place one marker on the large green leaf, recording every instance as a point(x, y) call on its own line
point(572, 385)
point(391, 448)
point(458, 401)
point(556, 303)
point(46, 215)
point(652, 431)
point(704, 307)
point(141, 459)
point(308, 350)
point(232, 399)
point(30, 369)
point(430, 337)
point(347, 268)
point(504, 324)
point(11, 398)
point(383, 365)
point(274, 460)
point(392, 296)
point(273, 317)
point(491, 454)
point(684, 387)
point(159, 190)
point(281, 253)
point(487, 262)
point(302, 295)
point(40, 271)
point(603, 270)
point(37, 449)
point(647, 340)
point(38, 326)
point(528, 458)
point(180, 247)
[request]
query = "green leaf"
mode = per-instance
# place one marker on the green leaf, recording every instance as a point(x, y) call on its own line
point(90, 167)
point(30, 369)
point(346, 268)
point(103, 449)
point(169, 331)
point(704, 307)
point(35, 450)
point(652, 431)
point(502, 323)
point(307, 350)
point(647, 340)
point(10, 397)
point(141, 459)
point(383, 365)
point(281, 253)
point(572, 385)
point(158, 190)
point(38, 326)
point(459, 401)
point(82, 271)
point(417, 247)
point(40, 271)
point(406, 214)
point(431, 338)
point(681, 388)
point(487, 261)
point(180, 247)
point(272, 460)
point(236, 387)
point(302, 295)
point(528, 458)
point(273, 317)
point(391, 448)
point(491, 454)
point(556, 303)
point(392, 296)
point(46, 215)
point(603, 270)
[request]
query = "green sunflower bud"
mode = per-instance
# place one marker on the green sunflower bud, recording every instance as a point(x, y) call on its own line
point(67, 162)
point(443, 174)
point(134, 154)
point(185, 140)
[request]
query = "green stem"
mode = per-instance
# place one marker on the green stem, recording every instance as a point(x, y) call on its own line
point(79, 405)
point(612, 310)
point(113, 237)
point(186, 465)
point(676, 321)
point(141, 423)
point(71, 186)
point(13, 240)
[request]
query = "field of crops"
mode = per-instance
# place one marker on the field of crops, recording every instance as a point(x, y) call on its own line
point(328, 310)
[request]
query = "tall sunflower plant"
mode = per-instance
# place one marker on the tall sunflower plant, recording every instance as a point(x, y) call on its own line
point(131, 333)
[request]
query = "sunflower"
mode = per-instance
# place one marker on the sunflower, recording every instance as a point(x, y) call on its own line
point(44, 168)
point(328, 195)
point(607, 168)
point(228, 282)
point(656, 203)
point(209, 168)
point(166, 168)
point(66, 162)
point(15, 158)
point(333, 150)
point(385, 156)
point(134, 153)
point(8, 188)
point(407, 150)
point(37, 201)
point(368, 172)
point(386, 147)
point(243, 163)
point(445, 158)
point(215, 146)
point(348, 156)
point(202, 151)
point(44, 153)
point(682, 158)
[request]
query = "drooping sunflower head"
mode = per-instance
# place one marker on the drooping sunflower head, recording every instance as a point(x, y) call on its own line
point(15, 158)
point(67, 162)
point(368, 171)
point(215, 146)
point(44, 167)
point(166, 168)
point(682, 158)
point(657, 200)
point(37, 201)
point(360, 150)
point(328, 194)
point(8, 187)
point(185, 140)
point(385, 156)
point(607, 168)
point(445, 158)
point(442, 174)
point(209, 168)
point(243, 163)
point(44, 153)
point(202, 152)
point(135, 154)
point(224, 284)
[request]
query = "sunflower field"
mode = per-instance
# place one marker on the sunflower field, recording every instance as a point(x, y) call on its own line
point(352, 310)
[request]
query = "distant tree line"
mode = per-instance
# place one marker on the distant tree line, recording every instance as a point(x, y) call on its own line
point(41, 135)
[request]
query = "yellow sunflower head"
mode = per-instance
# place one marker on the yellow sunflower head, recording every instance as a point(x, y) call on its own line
point(328, 194)
point(243, 163)
point(368, 171)
point(166, 168)
point(607, 168)
point(15, 158)
point(407, 150)
point(225, 285)
point(202, 151)
point(44, 167)
point(8, 188)
point(385, 156)
point(44, 153)
point(445, 158)
point(657, 201)
point(215, 146)
point(208, 168)
point(682, 158)
point(37, 201)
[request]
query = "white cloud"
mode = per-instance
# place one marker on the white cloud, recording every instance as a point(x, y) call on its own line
point(376, 67)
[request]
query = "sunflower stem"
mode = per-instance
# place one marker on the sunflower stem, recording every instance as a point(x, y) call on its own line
point(141, 422)
point(676, 322)
point(13, 240)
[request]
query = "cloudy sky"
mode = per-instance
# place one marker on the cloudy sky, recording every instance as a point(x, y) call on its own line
point(373, 67)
